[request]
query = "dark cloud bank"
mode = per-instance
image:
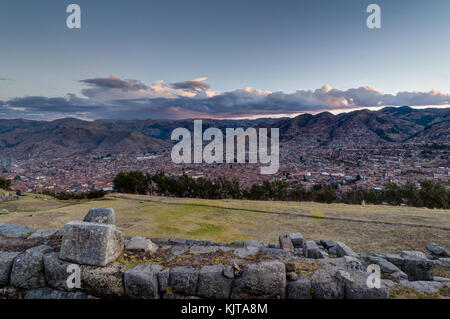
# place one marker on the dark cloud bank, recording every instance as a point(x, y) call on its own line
point(112, 97)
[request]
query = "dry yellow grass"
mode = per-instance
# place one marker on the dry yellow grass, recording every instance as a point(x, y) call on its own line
point(226, 220)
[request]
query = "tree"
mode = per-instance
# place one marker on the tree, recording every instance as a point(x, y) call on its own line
point(5, 183)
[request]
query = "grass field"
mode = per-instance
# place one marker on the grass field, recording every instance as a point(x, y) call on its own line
point(370, 228)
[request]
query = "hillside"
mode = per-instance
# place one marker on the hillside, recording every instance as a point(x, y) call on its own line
point(23, 139)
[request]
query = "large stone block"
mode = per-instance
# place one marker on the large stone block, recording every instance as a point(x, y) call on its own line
point(141, 282)
point(343, 250)
point(297, 240)
point(104, 282)
point(56, 274)
point(28, 268)
point(265, 280)
point(299, 289)
point(213, 284)
point(326, 286)
point(311, 250)
point(184, 280)
point(91, 243)
point(101, 216)
point(6, 263)
point(286, 243)
point(357, 287)
point(15, 231)
point(418, 269)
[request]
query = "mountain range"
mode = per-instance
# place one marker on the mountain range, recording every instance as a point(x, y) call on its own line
point(24, 139)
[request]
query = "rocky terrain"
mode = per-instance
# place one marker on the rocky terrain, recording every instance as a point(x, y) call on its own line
point(103, 263)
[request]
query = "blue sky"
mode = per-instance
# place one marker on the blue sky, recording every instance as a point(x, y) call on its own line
point(145, 58)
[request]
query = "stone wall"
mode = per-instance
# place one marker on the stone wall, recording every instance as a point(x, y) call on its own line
point(93, 259)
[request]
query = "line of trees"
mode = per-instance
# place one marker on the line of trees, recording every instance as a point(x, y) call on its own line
point(5, 183)
point(431, 194)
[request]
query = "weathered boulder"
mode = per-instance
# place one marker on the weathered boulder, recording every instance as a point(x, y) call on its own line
point(246, 251)
point(399, 276)
point(418, 269)
point(385, 266)
point(101, 216)
point(328, 244)
point(103, 281)
point(297, 240)
point(141, 243)
point(437, 250)
point(343, 250)
point(91, 243)
point(413, 254)
point(286, 243)
point(28, 268)
point(213, 284)
point(395, 259)
point(48, 293)
point(183, 280)
point(6, 263)
point(56, 274)
point(326, 286)
point(291, 276)
point(15, 231)
point(44, 233)
point(357, 287)
point(444, 262)
point(265, 280)
point(299, 289)
point(424, 286)
point(311, 250)
point(141, 282)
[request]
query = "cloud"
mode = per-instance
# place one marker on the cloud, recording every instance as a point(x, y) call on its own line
point(6, 79)
point(113, 97)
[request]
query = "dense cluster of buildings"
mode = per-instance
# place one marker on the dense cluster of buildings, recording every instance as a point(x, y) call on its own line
point(362, 167)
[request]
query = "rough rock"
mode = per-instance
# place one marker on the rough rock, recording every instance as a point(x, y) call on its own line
point(213, 284)
point(253, 243)
point(343, 250)
point(418, 269)
point(47, 293)
point(385, 266)
point(437, 250)
point(103, 281)
point(91, 243)
point(56, 274)
point(246, 251)
point(291, 276)
point(444, 262)
point(141, 243)
point(28, 268)
point(4, 212)
point(203, 249)
point(265, 280)
point(44, 233)
point(399, 276)
point(424, 286)
point(326, 286)
point(15, 231)
point(141, 282)
point(6, 263)
point(163, 280)
point(358, 288)
point(299, 289)
point(286, 243)
point(297, 240)
point(413, 254)
point(395, 259)
point(328, 244)
point(311, 250)
point(101, 216)
point(179, 250)
point(183, 280)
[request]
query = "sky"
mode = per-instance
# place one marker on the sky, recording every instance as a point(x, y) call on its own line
point(177, 59)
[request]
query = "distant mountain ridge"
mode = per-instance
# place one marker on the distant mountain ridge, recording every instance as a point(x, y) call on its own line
point(23, 139)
